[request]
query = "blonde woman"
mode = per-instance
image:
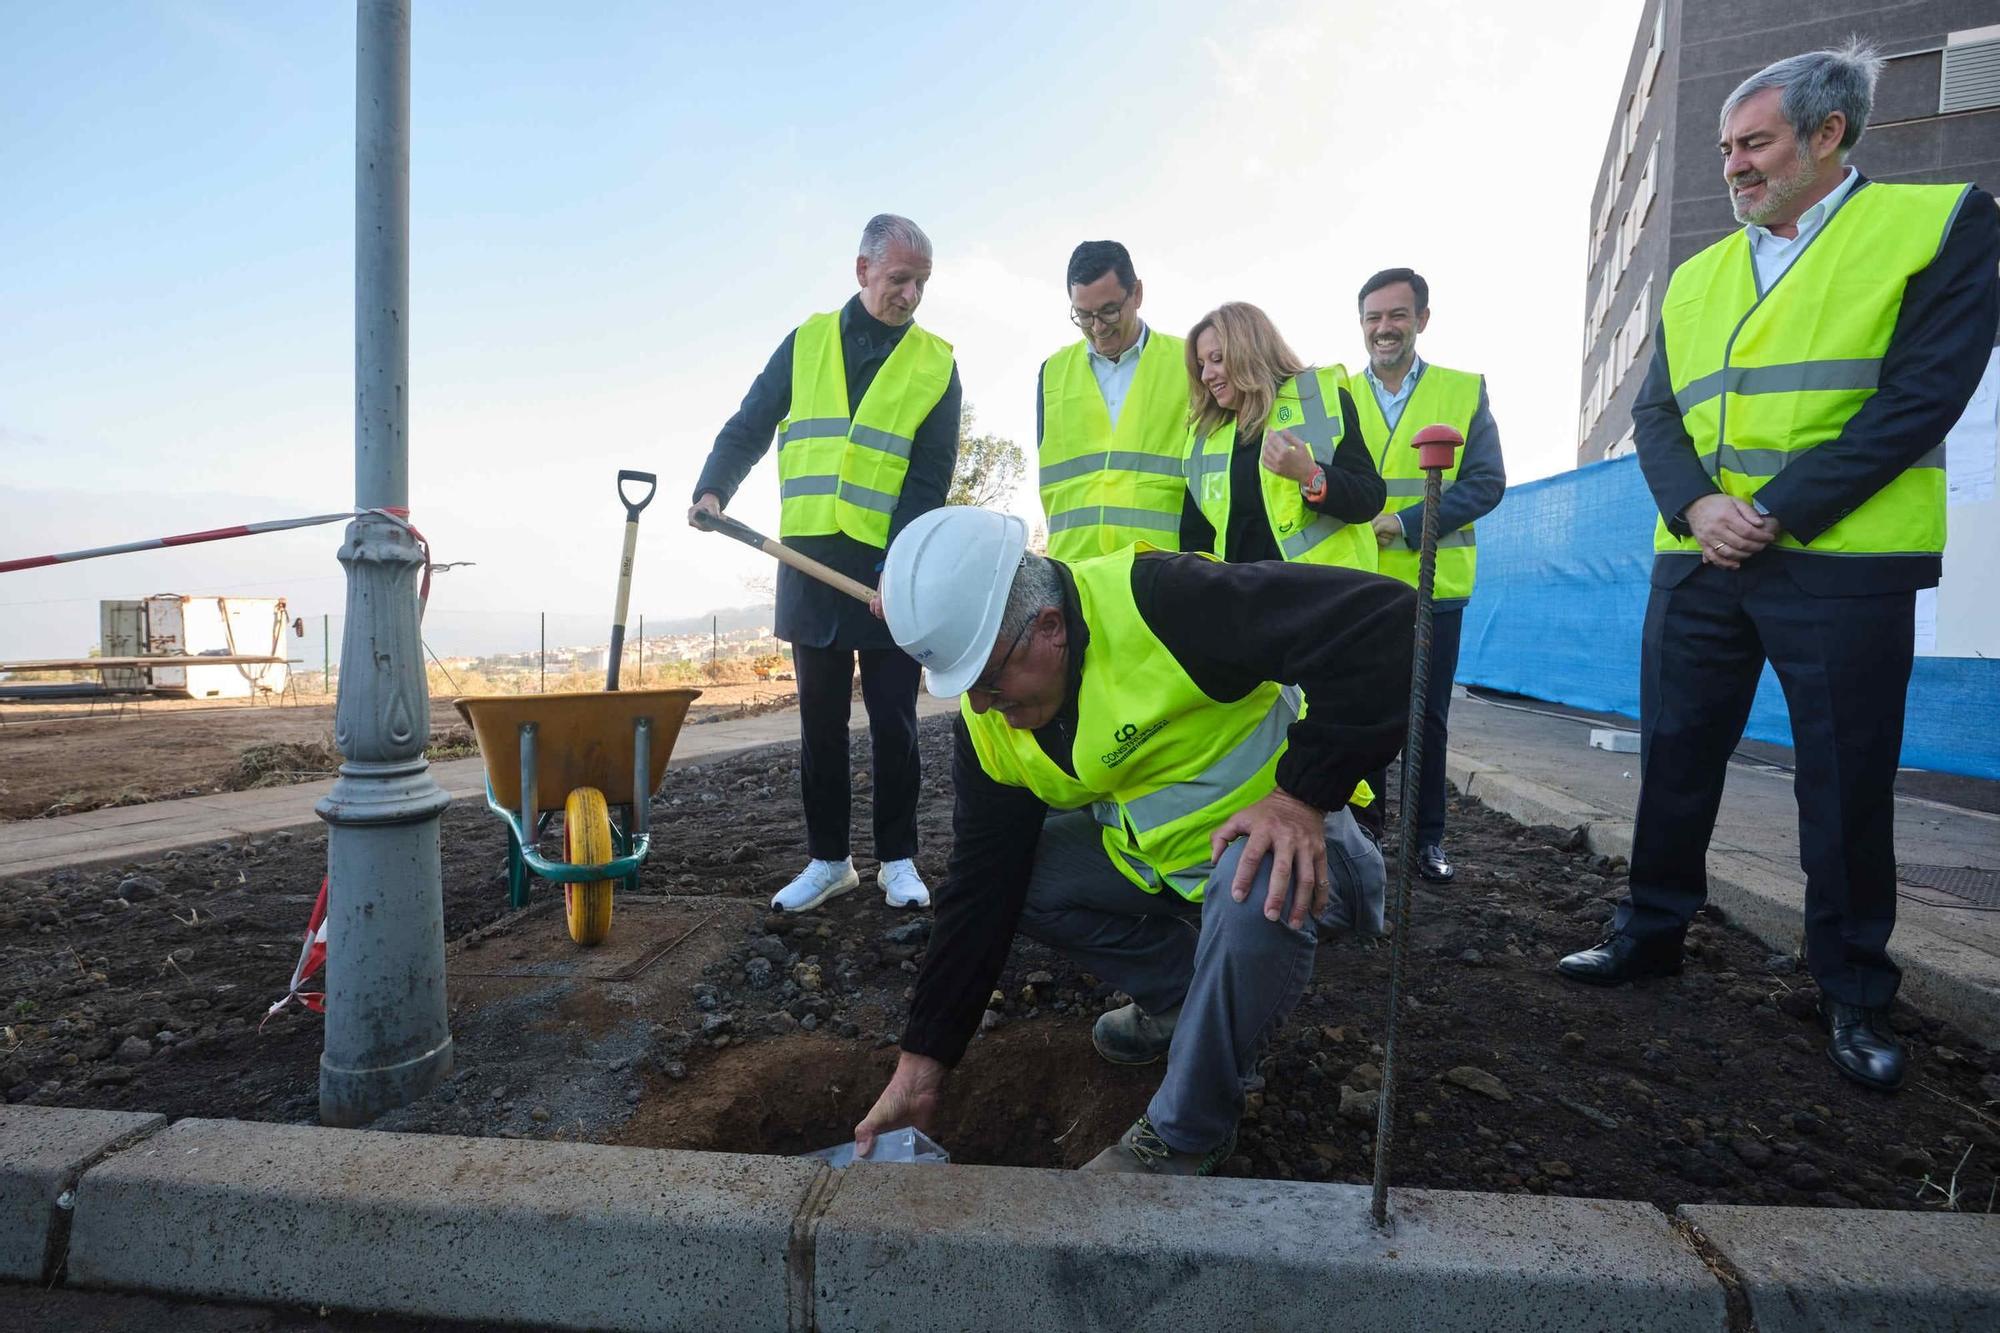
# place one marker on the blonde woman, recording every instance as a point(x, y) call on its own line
point(1276, 465)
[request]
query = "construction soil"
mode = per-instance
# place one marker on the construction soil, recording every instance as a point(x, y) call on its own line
point(64, 758)
point(707, 1022)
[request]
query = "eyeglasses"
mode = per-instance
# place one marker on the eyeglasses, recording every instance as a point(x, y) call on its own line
point(992, 689)
point(1106, 315)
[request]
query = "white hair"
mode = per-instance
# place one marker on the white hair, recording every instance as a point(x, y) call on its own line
point(1817, 84)
point(887, 229)
point(1036, 585)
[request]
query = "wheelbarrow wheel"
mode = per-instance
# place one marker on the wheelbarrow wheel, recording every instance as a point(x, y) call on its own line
point(587, 842)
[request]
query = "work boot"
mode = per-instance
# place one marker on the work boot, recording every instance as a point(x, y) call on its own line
point(1433, 865)
point(1131, 1036)
point(819, 881)
point(1140, 1151)
point(901, 885)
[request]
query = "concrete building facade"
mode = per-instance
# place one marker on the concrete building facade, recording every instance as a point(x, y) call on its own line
point(1660, 196)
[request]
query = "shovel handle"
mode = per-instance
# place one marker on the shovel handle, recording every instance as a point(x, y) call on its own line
point(632, 507)
point(784, 554)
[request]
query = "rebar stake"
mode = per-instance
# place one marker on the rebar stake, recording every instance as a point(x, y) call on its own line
point(1436, 448)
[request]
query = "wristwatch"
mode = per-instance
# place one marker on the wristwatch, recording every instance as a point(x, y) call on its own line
point(1314, 487)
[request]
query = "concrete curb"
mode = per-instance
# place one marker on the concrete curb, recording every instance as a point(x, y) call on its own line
point(1818, 1268)
point(43, 1153)
point(584, 1236)
point(1948, 980)
point(1062, 1249)
point(555, 1235)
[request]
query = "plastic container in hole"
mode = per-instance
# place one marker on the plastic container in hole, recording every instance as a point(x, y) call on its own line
point(908, 1144)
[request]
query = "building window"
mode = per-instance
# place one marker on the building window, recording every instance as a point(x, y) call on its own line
point(1656, 51)
point(1649, 183)
point(1633, 336)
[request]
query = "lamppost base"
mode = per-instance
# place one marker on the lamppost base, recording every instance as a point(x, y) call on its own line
point(352, 1097)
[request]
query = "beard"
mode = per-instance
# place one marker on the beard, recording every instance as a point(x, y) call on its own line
point(1779, 192)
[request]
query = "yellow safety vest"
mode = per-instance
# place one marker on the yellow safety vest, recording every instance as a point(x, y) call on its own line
point(1105, 487)
point(1442, 397)
point(1307, 404)
point(837, 474)
point(1763, 376)
point(1158, 762)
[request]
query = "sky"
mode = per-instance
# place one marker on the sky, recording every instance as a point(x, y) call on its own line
point(618, 210)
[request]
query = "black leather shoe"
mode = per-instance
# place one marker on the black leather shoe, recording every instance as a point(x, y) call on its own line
point(1616, 959)
point(1860, 1050)
point(1432, 865)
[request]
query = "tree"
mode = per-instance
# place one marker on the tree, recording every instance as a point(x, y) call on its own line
point(989, 467)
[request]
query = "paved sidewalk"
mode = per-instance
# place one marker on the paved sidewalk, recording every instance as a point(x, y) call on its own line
point(1541, 770)
point(134, 832)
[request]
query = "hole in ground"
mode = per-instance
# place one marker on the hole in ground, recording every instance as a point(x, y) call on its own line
point(1034, 1093)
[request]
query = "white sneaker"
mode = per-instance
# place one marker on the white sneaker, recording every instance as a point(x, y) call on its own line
point(901, 885)
point(819, 881)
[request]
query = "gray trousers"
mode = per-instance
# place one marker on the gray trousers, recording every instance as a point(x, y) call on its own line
point(1234, 975)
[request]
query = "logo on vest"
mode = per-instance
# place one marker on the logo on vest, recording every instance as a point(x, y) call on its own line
point(1128, 738)
point(1284, 413)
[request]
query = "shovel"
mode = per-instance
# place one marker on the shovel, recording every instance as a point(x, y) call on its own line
point(805, 564)
point(633, 508)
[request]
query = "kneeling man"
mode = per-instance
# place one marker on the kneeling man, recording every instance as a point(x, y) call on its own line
point(1153, 760)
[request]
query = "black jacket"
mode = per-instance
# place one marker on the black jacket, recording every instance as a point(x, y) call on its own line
point(1355, 493)
point(1343, 636)
point(1944, 332)
point(809, 612)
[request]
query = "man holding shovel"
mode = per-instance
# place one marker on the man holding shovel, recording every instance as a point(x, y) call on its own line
point(865, 408)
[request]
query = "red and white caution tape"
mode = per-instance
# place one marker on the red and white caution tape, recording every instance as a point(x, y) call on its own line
point(312, 957)
point(400, 517)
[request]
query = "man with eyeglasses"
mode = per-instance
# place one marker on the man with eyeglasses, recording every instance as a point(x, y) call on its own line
point(865, 407)
point(1111, 417)
point(1162, 803)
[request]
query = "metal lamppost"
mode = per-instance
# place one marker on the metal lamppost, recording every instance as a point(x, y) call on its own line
point(387, 1040)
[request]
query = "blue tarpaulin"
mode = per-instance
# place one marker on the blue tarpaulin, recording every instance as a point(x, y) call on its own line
point(1561, 601)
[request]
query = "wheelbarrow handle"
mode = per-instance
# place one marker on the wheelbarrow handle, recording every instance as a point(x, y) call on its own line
point(632, 507)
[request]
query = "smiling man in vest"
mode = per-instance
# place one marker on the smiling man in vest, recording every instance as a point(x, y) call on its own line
point(1791, 429)
point(1398, 395)
point(864, 404)
point(1110, 417)
point(1160, 800)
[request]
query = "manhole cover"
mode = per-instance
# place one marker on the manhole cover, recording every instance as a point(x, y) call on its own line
point(1968, 882)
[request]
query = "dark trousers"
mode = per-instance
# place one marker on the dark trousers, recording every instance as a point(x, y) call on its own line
point(889, 692)
point(1445, 627)
point(1844, 664)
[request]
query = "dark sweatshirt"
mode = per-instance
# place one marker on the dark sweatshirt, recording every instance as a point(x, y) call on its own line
point(1343, 636)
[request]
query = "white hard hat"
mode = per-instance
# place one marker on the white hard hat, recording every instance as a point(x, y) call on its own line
point(944, 589)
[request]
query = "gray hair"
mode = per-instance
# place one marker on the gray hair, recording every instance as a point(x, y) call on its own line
point(1817, 84)
point(1036, 585)
point(887, 229)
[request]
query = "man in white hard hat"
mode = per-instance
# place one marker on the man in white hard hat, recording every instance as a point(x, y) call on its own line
point(1136, 789)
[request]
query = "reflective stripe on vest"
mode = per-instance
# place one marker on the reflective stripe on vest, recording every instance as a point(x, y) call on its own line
point(837, 474)
point(1307, 405)
point(1104, 486)
point(1159, 763)
point(1761, 376)
point(1441, 397)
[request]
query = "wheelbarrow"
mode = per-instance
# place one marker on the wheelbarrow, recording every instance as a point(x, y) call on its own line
point(584, 754)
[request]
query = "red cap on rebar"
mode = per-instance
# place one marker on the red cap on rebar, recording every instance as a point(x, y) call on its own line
point(1436, 446)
